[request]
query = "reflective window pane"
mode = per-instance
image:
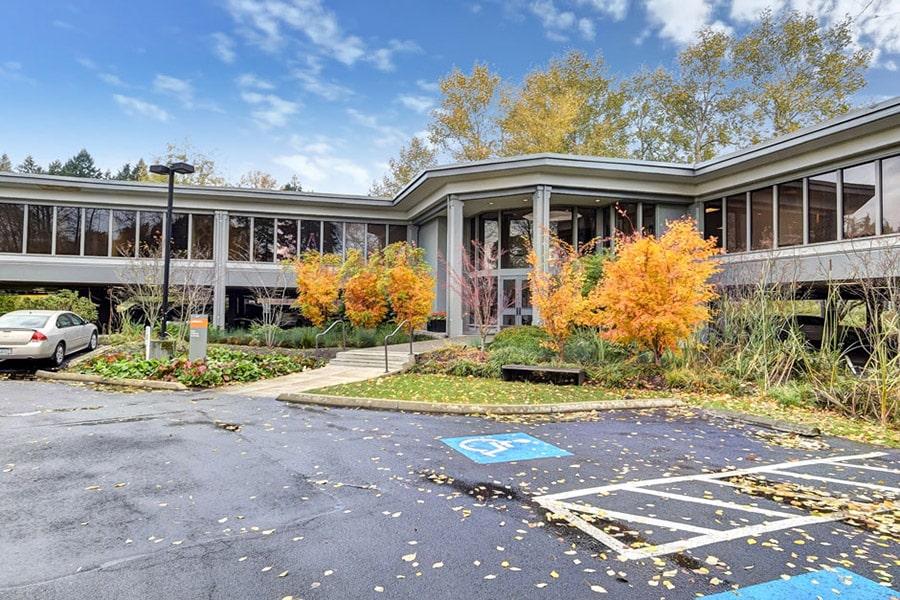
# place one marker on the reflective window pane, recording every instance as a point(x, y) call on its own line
point(68, 230)
point(333, 238)
point(180, 224)
point(124, 233)
point(310, 234)
point(396, 233)
point(860, 203)
point(12, 225)
point(489, 235)
point(355, 237)
point(376, 236)
point(515, 237)
point(823, 208)
point(561, 224)
point(712, 221)
point(96, 231)
point(890, 191)
point(648, 218)
point(790, 213)
point(150, 233)
point(587, 225)
point(238, 238)
point(626, 217)
point(263, 239)
point(736, 223)
point(761, 216)
point(286, 242)
point(202, 237)
point(40, 229)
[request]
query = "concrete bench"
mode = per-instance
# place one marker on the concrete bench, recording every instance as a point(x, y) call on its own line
point(543, 374)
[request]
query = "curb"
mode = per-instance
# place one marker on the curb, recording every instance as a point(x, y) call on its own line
point(786, 426)
point(172, 386)
point(470, 409)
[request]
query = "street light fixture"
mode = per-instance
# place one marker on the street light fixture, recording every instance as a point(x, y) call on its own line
point(170, 170)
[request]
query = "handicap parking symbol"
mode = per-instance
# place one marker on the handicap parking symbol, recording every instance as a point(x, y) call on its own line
point(503, 447)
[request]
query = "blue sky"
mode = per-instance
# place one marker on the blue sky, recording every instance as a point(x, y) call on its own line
point(328, 90)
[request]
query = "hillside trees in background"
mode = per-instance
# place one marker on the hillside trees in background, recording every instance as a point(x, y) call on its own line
point(5, 163)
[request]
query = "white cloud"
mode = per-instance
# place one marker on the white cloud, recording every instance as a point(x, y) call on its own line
point(223, 47)
point(432, 87)
point(264, 23)
point(387, 136)
point(617, 9)
point(420, 104)
point(678, 20)
point(747, 11)
point(272, 110)
point(249, 80)
point(136, 107)
point(558, 24)
point(179, 88)
point(314, 84)
point(110, 79)
point(12, 70)
point(317, 167)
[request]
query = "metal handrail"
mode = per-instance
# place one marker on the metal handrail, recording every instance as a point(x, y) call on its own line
point(330, 327)
point(392, 334)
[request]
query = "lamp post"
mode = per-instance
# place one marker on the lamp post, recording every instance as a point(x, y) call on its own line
point(170, 170)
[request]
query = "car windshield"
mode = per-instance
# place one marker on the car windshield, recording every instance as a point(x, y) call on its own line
point(32, 321)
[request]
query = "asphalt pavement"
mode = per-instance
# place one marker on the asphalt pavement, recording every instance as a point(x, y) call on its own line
point(105, 494)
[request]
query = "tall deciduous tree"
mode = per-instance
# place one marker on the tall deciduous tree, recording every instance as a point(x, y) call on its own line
point(799, 73)
point(570, 107)
point(204, 167)
point(410, 284)
point(465, 124)
point(656, 292)
point(415, 157)
point(258, 180)
point(318, 285)
point(646, 116)
point(293, 185)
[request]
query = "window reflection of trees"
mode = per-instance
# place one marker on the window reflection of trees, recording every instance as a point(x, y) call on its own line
point(40, 229)
point(12, 225)
point(96, 231)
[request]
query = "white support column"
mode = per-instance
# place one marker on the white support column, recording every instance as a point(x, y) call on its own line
point(220, 258)
point(541, 233)
point(454, 250)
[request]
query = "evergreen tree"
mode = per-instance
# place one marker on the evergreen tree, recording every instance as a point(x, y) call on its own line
point(81, 165)
point(5, 164)
point(29, 166)
point(55, 168)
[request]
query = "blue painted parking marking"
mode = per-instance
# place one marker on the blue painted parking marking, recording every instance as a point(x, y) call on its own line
point(504, 447)
point(818, 585)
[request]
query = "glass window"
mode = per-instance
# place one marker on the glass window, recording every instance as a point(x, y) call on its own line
point(150, 233)
point(396, 233)
point(587, 225)
point(626, 217)
point(761, 219)
point(68, 230)
point(605, 225)
point(286, 243)
point(356, 237)
point(860, 203)
point(561, 224)
point(736, 223)
point(333, 238)
point(712, 221)
point(515, 238)
point(179, 232)
point(238, 238)
point(648, 218)
point(823, 208)
point(202, 237)
point(890, 193)
point(263, 239)
point(40, 229)
point(376, 236)
point(489, 235)
point(96, 231)
point(790, 213)
point(124, 228)
point(12, 225)
point(310, 233)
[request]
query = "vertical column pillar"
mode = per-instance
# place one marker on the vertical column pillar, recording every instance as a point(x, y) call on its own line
point(220, 260)
point(541, 233)
point(454, 250)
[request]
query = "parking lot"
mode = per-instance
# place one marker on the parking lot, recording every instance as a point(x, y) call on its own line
point(180, 495)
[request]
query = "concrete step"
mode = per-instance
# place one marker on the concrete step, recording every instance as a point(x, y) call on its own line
point(371, 358)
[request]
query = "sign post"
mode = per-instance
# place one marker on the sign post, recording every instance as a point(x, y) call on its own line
point(199, 331)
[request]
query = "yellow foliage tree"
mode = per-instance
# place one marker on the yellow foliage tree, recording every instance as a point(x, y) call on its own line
point(410, 284)
point(557, 292)
point(365, 304)
point(656, 292)
point(318, 285)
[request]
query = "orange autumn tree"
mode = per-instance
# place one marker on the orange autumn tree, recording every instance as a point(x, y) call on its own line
point(558, 292)
point(656, 292)
point(410, 284)
point(365, 304)
point(318, 285)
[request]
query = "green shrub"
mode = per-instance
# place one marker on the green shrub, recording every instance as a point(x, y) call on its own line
point(453, 360)
point(703, 380)
point(527, 337)
point(61, 300)
point(792, 394)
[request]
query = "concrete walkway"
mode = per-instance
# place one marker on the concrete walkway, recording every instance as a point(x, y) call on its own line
point(331, 374)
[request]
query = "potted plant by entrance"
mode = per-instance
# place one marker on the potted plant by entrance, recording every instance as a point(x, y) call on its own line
point(437, 322)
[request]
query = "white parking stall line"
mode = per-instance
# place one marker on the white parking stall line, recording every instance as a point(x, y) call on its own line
point(862, 484)
point(579, 514)
point(713, 502)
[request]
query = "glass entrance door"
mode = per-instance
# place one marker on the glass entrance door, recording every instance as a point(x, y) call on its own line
point(515, 308)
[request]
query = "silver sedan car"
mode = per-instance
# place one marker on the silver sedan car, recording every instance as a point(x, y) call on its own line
point(44, 334)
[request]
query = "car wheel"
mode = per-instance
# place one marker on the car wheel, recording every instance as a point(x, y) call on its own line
point(59, 354)
point(92, 345)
